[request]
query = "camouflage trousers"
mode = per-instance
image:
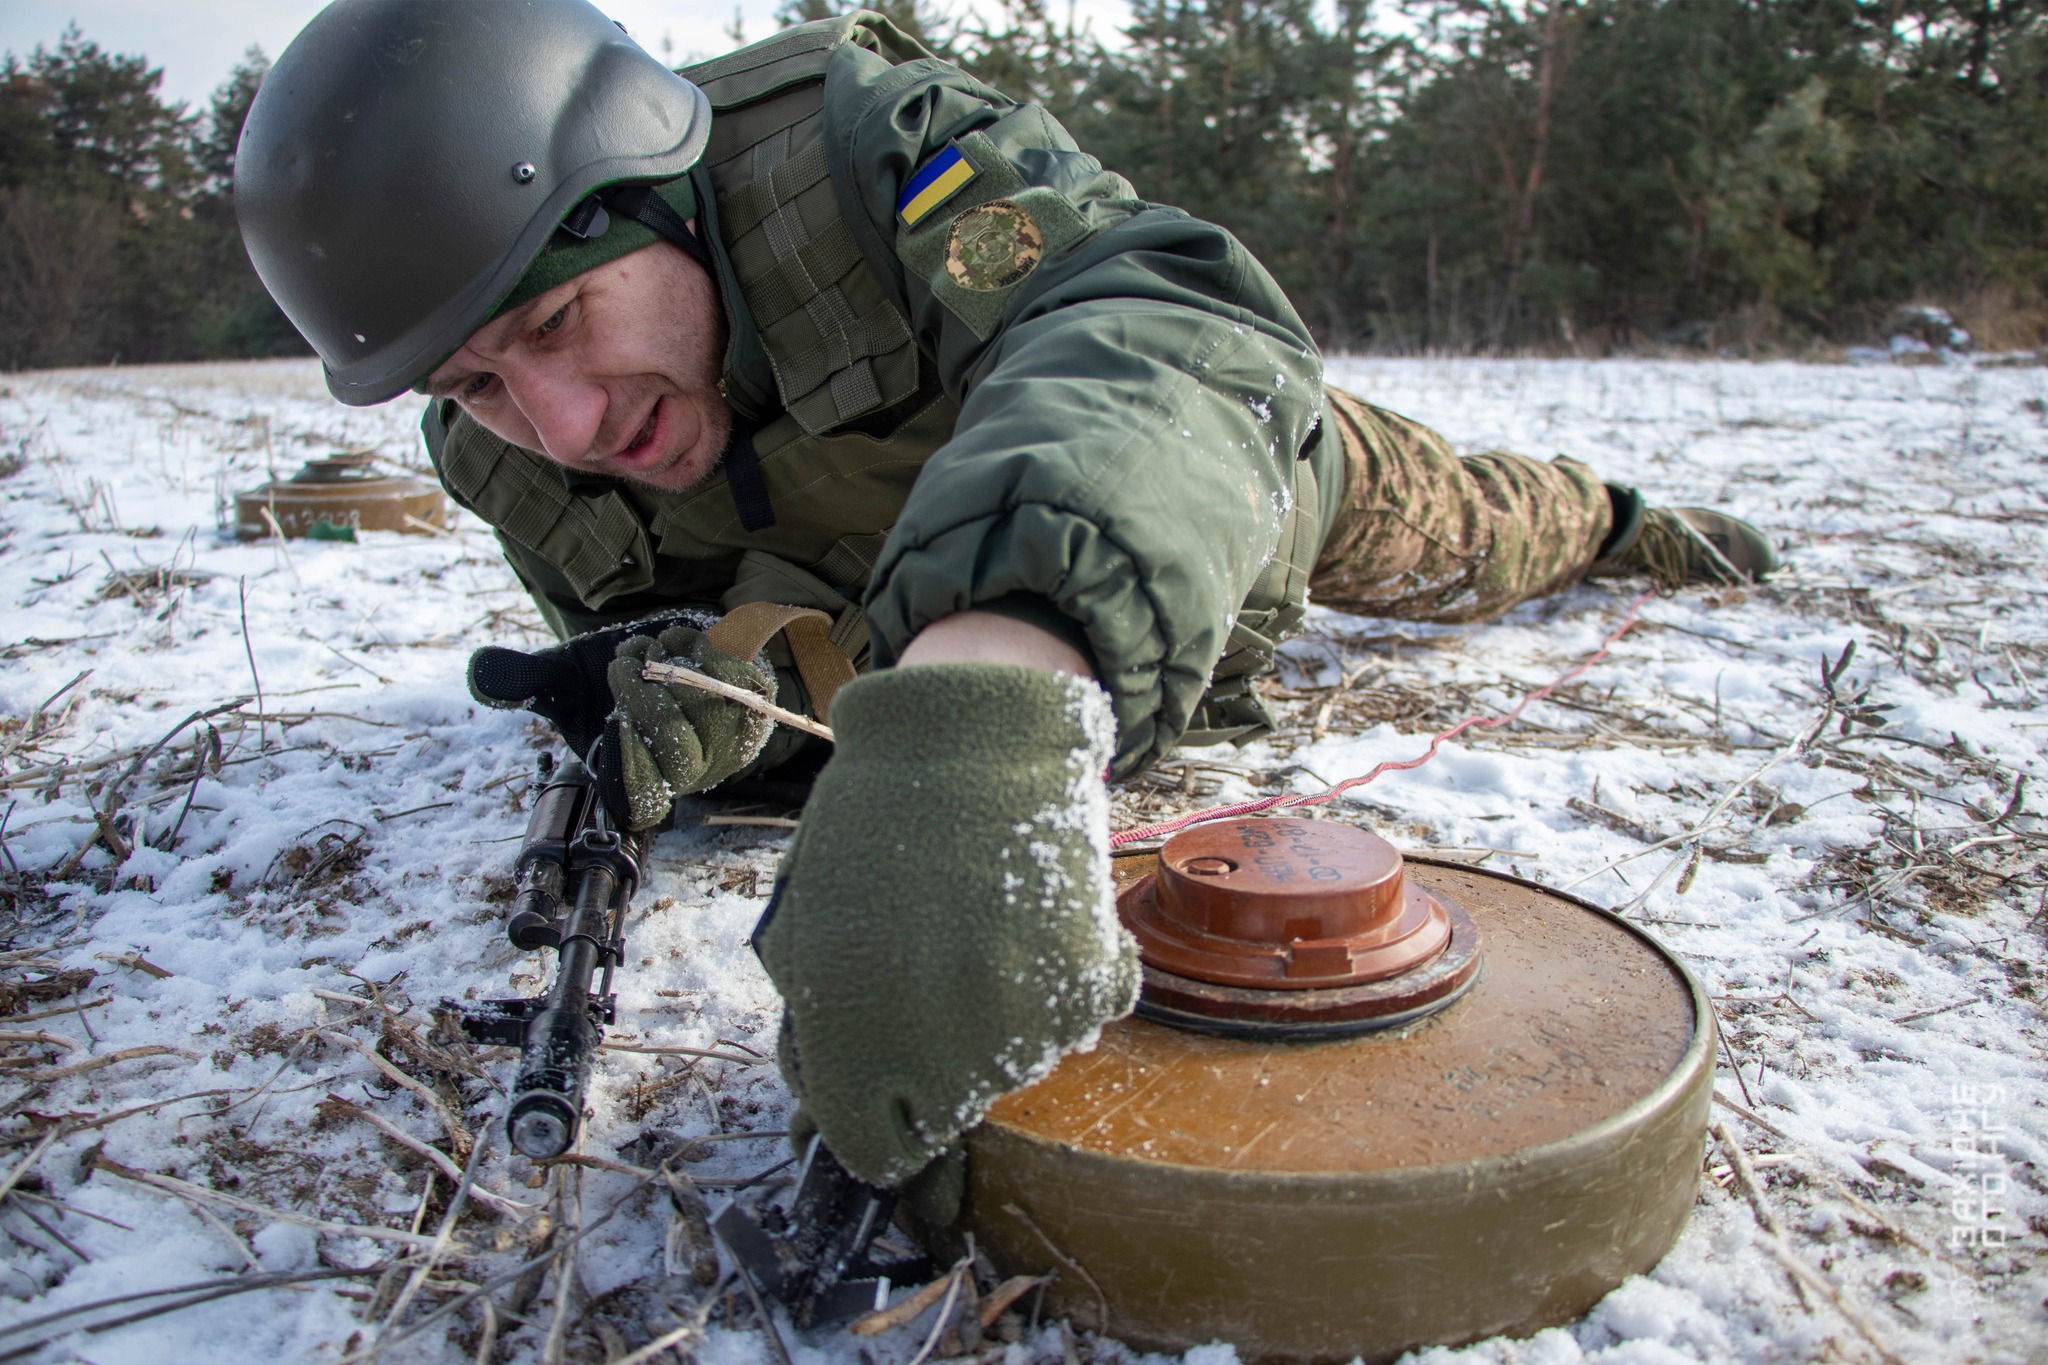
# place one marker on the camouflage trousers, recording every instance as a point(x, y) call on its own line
point(1422, 535)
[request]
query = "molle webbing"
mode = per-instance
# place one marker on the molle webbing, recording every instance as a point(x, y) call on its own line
point(839, 347)
point(598, 543)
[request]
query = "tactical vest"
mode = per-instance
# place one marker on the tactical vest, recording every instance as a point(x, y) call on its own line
point(857, 409)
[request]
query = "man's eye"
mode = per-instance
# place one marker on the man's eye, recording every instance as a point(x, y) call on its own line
point(476, 387)
point(556, 321)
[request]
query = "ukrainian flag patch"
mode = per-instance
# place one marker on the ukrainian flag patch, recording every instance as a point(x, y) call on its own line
point(935, 182)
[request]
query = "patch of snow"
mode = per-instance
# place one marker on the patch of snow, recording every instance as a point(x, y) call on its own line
point(1881, 999)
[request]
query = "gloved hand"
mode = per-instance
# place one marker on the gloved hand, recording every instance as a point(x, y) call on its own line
point(565, 684)
point(649, 741)
point(943, 928)
point(663, 740)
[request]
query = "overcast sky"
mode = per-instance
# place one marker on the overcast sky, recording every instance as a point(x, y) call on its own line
point(197, 42)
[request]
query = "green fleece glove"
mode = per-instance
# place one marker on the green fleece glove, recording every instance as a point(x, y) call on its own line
point(663, 740)
point(943, 929)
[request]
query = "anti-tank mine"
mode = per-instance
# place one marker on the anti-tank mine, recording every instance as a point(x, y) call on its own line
point(1367, 1103)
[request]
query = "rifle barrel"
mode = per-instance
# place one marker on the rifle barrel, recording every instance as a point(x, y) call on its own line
point(599, 871)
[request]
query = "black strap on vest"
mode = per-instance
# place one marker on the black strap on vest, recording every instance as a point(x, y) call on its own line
point(744, 477)
point(742, 466)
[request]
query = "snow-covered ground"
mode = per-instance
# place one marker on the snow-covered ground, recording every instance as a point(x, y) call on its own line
point(187, 1090)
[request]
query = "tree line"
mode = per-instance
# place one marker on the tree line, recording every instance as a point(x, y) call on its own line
point(117, 225)
point(1584, 176)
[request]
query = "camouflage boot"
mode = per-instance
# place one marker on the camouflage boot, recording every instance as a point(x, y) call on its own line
point(1679, 546)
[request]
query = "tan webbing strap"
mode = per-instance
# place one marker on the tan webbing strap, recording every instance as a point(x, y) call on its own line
point(745, 630)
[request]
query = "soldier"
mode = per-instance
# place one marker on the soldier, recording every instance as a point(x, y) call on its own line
point(823, 359)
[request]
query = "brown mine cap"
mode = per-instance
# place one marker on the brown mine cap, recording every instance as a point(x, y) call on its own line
point(344, 466)
point(1283, 904)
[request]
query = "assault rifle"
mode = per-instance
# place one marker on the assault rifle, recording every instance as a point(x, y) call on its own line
point(575, 879)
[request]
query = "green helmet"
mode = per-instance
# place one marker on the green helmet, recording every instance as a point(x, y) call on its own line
point(406, 160)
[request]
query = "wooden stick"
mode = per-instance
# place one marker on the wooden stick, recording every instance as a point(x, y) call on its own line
point(690, 677)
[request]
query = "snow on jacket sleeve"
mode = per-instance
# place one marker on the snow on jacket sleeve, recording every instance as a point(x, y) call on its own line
point(1130, 411)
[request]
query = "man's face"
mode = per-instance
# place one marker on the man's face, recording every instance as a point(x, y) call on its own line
point(613, 372)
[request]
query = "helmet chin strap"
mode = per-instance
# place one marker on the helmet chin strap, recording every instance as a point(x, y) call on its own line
point(641, 204)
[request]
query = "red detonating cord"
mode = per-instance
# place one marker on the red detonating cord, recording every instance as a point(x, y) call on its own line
point(1266, 803)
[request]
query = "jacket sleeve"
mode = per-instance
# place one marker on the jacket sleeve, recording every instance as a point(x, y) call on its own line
point(1131, 402)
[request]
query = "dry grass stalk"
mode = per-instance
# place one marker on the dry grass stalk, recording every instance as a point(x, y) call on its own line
point(1080, 1271)
point(511, 1208)
point(185, 1189)
point(905, 1312)
point(27, 1163)
point(1717, 814)
point(732, 1057)
point(233, 1238)
point(1774, 1242)
point(117, 793)
point(38, 1036)
point(458, 1134)
point(960, 1274)
point(73, 1127)
point(569, 1192)
point(105, 1059)
point(204, 1291)
point(465, 1181)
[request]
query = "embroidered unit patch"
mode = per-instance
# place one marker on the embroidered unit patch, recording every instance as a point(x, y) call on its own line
point(992, 246)
point(935, 182)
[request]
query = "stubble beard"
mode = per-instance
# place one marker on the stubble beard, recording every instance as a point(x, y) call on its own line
point(705, 455)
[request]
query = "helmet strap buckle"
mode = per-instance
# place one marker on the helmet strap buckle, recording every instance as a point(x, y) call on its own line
point(588, 220)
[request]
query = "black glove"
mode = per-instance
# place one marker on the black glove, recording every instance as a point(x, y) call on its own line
point(565, 684)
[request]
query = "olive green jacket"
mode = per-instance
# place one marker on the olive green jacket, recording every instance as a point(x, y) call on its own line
point(1109, 429)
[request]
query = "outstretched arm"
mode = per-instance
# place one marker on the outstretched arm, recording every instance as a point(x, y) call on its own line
point(1134, 391)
